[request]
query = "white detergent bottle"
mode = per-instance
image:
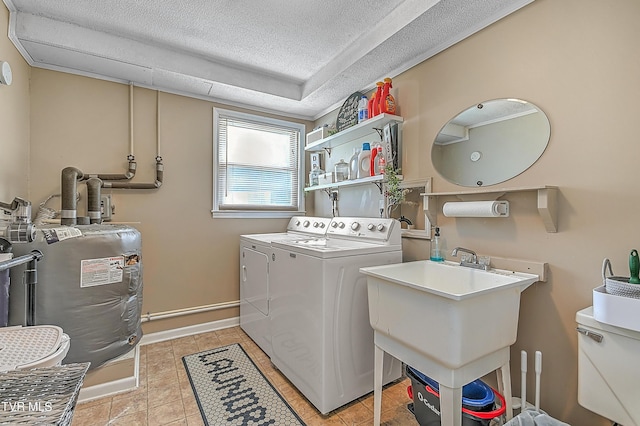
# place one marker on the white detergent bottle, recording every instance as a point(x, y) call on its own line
point(353, 164)
point(364, 161)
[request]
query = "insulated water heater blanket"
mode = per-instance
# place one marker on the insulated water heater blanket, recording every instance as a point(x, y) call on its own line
point(89, 284)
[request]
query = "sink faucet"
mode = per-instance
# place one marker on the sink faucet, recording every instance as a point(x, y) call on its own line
point(474, 259)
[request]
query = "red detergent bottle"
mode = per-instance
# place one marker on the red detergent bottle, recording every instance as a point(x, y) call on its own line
point(387, 104)
point(374, 108)
point(372, 162)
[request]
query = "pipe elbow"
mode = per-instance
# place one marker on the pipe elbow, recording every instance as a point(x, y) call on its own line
point(72, 173)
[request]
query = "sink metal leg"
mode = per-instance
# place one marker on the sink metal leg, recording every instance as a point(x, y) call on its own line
point(377, 384)
point(450, 406)
point(504, 387)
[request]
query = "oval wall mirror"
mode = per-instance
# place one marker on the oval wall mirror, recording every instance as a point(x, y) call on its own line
point(491, 142)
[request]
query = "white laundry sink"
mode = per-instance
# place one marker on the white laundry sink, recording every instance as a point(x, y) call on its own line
point(452, 314)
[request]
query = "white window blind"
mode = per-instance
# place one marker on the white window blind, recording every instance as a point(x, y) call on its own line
point(257, 163)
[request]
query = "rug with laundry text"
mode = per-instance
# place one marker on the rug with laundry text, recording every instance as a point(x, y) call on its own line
point(231, 390)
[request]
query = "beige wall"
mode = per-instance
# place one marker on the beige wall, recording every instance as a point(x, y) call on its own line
point(190, 259)
point(578, 61)
point(14, 120)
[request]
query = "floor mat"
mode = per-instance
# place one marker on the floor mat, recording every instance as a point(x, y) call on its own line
point(231, 390)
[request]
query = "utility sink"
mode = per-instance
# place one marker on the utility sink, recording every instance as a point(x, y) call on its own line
point(452, 314)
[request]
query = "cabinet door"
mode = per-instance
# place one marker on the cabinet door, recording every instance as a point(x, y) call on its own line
point(254, 279)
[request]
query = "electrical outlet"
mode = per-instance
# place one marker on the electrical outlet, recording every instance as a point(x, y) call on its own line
point(105, 207)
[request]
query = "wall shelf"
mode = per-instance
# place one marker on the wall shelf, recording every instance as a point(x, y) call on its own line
point(547, 201)
point(358, 131)
point(378, 180)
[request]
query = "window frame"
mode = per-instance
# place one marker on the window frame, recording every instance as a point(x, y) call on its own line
point(267, 212)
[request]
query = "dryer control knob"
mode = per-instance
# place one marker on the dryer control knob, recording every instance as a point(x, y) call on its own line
point(381, 227)
point(316, 224)
point(355, 226)
point(370, 226)
point(334, 224)
point(306, 223)
point(341, 225)
point(297, 223)
point(321, 224)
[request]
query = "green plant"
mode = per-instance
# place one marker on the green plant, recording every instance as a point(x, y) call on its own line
point(394, 194)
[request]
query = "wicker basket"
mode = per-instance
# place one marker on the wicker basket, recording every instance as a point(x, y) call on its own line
point(41, 396)
point(618, 286)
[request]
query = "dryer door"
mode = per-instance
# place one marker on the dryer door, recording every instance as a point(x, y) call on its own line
point(254, 279)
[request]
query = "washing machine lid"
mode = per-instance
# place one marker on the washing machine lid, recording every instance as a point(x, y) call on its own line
point(585, 317)
point(25, 345)
point(327, 248)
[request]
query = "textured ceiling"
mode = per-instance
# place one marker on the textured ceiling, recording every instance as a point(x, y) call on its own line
point(299, 58)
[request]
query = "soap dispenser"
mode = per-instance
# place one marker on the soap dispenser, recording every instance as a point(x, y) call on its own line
point(436, 247)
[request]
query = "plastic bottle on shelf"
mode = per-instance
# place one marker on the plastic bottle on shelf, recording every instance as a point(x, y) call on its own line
point(363, 109)
point(353, 164)
point(436, 248)
point(314, 175)
point(341, 171)
point(387, 103)
point(372, 160)
point(381, 161)
point(374, 104)
point(364, 161)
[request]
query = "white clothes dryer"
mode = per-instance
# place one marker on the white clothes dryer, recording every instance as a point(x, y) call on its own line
point(255, 255)
point(319, 315)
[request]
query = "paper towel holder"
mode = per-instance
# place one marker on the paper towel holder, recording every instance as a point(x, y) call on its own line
point(476, 209)
point(546, 195)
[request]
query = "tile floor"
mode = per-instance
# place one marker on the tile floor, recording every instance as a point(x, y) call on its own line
point(164, 396)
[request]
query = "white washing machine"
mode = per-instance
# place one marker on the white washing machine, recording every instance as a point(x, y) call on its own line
point(321, 337)
point(255, 255)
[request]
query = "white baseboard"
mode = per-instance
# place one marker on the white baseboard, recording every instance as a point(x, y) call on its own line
point(130, 383)
point(108, 389)
point(114, 387)
point(161, 336)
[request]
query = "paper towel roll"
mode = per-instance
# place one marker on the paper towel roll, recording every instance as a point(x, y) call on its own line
point(476, 209)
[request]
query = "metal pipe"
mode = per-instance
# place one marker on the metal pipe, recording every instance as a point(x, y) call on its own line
point(131, 172)
point(68, 213)
point(158, 123)
point(20, 260)
point(30, 279)
point(131, 119)
point(93, 203)
point(189, 311)
point(132, 185)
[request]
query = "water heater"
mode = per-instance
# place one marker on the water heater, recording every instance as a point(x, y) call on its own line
point(89, 284)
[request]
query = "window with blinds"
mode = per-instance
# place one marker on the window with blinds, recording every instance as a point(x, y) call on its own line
point(257, 164)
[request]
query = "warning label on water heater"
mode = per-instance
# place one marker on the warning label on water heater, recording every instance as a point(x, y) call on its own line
point(107, 270)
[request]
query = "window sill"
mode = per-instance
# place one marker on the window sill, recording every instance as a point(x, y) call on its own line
point(252, 214)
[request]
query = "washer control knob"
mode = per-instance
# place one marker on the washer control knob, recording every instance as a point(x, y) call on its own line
point(355, 226)
point(316, 224)
point(370, 227)
point(334, 224)
point(321, 224)
point(381, 227)
point(306, 223)
point(297, 223)
point(341, 225)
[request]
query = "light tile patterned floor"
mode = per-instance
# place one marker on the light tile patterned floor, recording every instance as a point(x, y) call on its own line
point(165, 396)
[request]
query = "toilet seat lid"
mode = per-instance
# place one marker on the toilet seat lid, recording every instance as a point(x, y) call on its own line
point(25, 345)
